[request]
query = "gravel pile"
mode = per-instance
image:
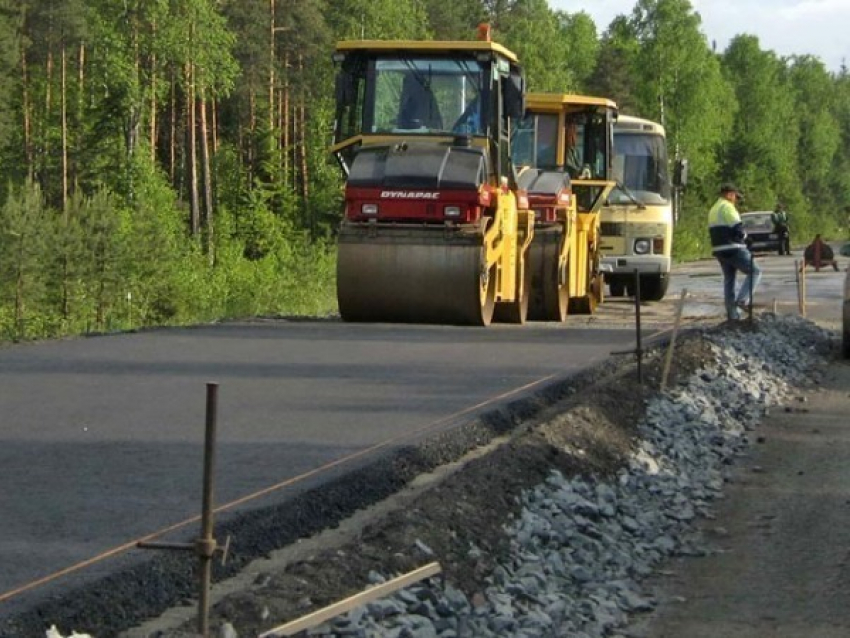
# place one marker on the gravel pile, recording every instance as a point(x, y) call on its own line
point(582, 546)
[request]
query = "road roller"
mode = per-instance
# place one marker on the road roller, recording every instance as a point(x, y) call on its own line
point(563, 151)
point(435, 229)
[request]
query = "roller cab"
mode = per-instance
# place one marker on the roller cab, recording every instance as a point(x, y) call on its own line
point(434, 228)
point(563, 146)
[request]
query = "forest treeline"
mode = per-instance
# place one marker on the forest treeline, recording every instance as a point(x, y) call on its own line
point(165, 161)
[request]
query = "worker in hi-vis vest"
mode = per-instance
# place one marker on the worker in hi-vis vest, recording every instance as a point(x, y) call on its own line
point(729, 247)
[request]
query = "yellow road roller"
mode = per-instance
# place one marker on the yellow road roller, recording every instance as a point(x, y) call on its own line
point(434, 228)
point(563, 148)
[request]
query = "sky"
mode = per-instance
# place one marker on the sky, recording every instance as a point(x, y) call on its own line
point(786, 27)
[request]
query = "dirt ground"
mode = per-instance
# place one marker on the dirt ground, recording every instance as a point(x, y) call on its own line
point(441, 515)
point(782, 535)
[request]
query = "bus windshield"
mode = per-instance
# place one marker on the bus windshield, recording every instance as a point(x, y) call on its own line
point(640, 164)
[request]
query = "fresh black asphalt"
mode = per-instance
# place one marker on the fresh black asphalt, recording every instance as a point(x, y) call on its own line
point(101, 438)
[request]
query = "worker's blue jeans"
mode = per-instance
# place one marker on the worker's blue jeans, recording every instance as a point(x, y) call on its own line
point(731, 262)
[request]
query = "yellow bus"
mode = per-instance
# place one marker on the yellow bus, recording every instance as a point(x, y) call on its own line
point(638, 216)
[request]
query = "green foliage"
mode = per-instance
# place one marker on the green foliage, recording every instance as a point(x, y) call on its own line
point(24, 228)
point(105, 243)
point(9, 60)
point(681, 84)
point(617, 66)
point(378, 19)
point(690, 235)
point(579, 34)
point(324, 208)
point(765, 138)
point(296, 279)
point(671, 46)
point(66, 278)
point(531, 30)
point(157, 250)
point(454, 19)
point(196, 33)
point(819, 140)
point(840, 178)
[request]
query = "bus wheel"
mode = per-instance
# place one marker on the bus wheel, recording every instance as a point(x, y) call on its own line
point(654, 288)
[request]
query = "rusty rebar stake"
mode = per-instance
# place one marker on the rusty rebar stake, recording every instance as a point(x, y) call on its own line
point(205, 546)
point(638, 351)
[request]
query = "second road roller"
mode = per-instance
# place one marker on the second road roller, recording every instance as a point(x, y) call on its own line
point(563, 148)
point(435, 229)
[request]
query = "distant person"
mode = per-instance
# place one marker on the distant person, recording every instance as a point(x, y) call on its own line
point(728, 246)
point(819, 254)
point(418, 108)
point(780, 227)
point(470, 120)
point(575, 162)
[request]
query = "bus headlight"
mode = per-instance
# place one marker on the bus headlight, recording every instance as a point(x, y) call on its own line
point(369, 209)
point(452, 211)
point(642, 246)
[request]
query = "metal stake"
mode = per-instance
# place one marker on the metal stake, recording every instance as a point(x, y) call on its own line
point(639, 349)
point(205, 546)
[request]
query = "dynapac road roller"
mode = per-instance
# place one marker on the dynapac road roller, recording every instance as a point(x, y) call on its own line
point(434, 229)
point(564, 148)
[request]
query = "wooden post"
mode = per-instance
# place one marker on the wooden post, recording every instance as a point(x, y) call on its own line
point(343, 606)
point(797, 277)
point(671, 346)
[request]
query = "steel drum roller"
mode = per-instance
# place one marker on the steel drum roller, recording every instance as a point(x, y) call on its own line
point(413, 276)
point(549, 290)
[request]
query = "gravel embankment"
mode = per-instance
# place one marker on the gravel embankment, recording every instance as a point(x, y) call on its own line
point(582, 546)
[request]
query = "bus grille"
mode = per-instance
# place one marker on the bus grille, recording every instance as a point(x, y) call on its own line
point(612, 229)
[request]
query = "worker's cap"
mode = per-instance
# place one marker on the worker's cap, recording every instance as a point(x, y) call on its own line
point(729, 187)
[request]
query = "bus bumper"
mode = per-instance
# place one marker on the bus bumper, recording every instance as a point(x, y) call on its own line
point(644, 264)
